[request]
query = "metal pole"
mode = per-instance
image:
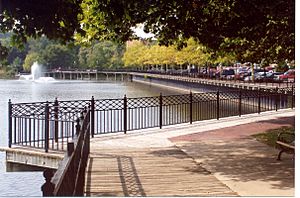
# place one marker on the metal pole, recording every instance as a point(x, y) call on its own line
point(259, 101)
point(292, 96)
point(9, 123)
point(191, 107)
point(276, 99)
point(240, 103)
point(46, 127)
point(125, 114)
point(92, 117)
point(160, 110)
point(218, 105)
point(56, 120)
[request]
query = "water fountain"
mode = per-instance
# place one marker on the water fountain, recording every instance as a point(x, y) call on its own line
point(36, 74)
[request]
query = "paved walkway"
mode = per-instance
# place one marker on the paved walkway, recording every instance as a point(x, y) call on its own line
point(245, 165)
point(235, 163)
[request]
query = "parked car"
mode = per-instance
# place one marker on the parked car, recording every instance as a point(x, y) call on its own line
point(257, 76)
point(227, 74)
point(286, 76)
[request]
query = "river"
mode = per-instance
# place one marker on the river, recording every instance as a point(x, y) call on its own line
point(28, 183)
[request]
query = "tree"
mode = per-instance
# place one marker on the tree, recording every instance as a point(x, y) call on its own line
point(57, 19)
point(3, 52)
point(101, 55)
point(51, 54)
point(136, 54)
point(30, 59)
point(58, 56)
point(253, 30)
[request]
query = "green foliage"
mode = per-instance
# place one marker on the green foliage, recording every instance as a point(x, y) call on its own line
point(57, 55)
point(102, 55)
point(142, 54)
point(269, 137)
point(252, 30)
point(136, 54)
point(57, 19)
point(30, 59)
point(3, 52)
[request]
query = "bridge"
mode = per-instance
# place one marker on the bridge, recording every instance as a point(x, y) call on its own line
point(56, 135)
point(148, 76)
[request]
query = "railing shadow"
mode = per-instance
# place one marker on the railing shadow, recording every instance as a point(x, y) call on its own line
point(129, 179)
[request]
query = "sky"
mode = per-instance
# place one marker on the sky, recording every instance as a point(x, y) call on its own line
point(140, 33)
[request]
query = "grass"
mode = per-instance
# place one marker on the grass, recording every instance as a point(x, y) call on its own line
point(270, 136)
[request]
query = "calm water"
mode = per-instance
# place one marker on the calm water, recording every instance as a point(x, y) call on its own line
point(29, 183)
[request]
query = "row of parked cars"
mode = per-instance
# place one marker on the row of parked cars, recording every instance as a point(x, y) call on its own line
point(230, 73)
point(260, 75)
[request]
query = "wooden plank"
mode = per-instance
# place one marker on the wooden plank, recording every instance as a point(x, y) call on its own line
point(285, 144)
point(149, 172)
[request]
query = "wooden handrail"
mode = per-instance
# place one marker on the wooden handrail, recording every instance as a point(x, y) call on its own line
point(69, 179)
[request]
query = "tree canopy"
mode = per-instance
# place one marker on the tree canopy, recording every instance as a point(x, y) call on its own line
point(252, 30)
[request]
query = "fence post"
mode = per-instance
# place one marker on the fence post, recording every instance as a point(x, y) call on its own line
point(70, 148)
point(259, 101)
point(218, 105)
point(160, 110)
point(48, 187)
point(77, 126)
point(92, 117)
point(276, 99)
point(191, 107)
point(240, 103)
point(125, 114)
point(56, 120)
point(292, 96)
point(9, 123)
point(46, 127)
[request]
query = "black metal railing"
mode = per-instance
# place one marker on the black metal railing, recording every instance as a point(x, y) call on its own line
point(51, 125)
point(69, 179)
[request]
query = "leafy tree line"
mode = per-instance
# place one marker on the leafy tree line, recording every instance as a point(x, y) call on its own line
point(54, 55)
point(110, 55)
point(148, 55)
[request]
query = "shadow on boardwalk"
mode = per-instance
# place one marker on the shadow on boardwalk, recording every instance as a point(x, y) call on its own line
point(242, 163)
point(150, 172)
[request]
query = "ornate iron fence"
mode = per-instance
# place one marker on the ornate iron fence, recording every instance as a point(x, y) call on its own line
point(51, 125)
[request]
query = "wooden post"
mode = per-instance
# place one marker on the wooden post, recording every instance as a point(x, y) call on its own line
point(48, 187)
point(46, 127)
point(9, 123)
point(77, 126)
point(160, 110)
point(125, 114)
point(70, 148)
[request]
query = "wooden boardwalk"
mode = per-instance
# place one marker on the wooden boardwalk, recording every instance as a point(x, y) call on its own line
point(149, 172)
